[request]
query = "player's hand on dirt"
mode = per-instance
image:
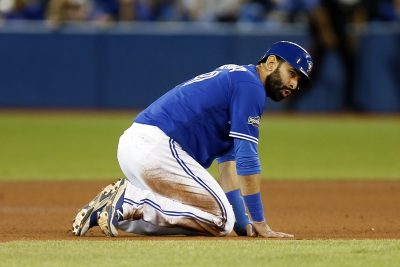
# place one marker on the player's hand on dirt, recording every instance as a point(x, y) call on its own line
point(262, 229)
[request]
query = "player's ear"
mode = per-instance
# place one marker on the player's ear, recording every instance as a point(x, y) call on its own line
point(272, 63)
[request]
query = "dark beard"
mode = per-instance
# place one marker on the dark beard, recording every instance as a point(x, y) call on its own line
point(274, 86)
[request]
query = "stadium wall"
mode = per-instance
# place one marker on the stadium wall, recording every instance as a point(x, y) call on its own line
point(129, 66)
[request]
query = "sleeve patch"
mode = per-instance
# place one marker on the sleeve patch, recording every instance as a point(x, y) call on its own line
point(255, 121)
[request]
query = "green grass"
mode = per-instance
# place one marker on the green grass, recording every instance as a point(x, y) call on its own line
point(59, 146)
point(382, 253)
point(331, 148)
point(82, 146)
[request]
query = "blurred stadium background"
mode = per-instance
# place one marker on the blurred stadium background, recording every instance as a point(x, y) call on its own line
point(62, 62)
point(125, 53)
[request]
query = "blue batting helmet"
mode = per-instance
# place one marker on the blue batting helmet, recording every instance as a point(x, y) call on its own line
point(295, 55)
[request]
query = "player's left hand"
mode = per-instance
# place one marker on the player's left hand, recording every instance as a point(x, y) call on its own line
point(262, 229)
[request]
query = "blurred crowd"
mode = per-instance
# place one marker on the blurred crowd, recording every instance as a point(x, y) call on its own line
point(327, 21)
point(109, 11)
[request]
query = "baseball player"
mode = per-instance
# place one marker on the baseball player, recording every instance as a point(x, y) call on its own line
point(165, 153)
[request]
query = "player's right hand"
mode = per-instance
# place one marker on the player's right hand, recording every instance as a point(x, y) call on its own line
point(262, 229)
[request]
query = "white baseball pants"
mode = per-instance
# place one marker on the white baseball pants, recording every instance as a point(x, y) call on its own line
point(169, 192)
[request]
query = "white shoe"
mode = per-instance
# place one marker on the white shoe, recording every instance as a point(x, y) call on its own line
point(111, 214)
point(87, 216)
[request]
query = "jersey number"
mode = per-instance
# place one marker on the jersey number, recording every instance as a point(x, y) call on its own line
point(202, 77)
point(209, 75)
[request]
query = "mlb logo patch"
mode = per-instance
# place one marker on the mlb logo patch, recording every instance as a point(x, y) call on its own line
point(255, 121)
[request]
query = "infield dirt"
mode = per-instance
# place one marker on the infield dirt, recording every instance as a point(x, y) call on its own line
point(310, 210)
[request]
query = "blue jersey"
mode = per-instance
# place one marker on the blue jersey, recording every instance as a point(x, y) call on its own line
point(206, 113)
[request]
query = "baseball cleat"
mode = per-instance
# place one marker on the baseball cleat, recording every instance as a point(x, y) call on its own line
point(111, 214)
point(87, 216)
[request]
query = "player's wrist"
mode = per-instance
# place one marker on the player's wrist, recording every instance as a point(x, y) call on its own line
point(239, 209)
point(255, 206)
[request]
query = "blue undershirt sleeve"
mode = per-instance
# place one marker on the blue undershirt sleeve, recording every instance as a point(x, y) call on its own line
point(228, 156)
point(246, 155)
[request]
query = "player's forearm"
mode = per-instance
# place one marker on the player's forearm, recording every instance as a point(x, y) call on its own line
point(250, 187)
point(228, 178)
point(249, 184)
point(230, 184)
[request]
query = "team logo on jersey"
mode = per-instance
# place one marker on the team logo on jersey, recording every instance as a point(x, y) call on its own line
point(255, 121)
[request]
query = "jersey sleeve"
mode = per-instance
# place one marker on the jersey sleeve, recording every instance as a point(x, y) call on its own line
point(246, 156)
point(246, 107)
point(247, 161)
point(228, 156)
